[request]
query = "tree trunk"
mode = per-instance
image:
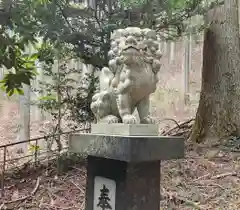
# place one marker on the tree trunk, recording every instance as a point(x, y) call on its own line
point(40, 112)
point(24, 107)
point(218, 112)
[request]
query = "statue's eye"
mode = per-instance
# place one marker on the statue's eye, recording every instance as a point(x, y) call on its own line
point(145, 48)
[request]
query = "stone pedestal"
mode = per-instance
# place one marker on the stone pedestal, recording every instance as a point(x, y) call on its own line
point(137, 184)
point(123, 171)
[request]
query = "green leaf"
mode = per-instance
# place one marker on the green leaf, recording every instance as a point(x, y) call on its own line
point(47, 98)
point(33, 148)
point(20, 91)
point(34, 57)
point(10, 92)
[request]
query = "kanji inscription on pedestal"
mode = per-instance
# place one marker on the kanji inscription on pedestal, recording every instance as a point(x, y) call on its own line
point(104, 193)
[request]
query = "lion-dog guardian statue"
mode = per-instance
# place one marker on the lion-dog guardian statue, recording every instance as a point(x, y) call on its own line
point(130, 79)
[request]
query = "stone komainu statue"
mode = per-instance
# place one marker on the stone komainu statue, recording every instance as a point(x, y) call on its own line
point(130, 78)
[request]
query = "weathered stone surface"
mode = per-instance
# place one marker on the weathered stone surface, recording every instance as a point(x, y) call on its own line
point(128, 148)
point(130, 79)
point(125, 129)
point(137, 184)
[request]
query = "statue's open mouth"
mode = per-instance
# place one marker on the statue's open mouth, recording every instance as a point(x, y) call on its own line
point(131, 51)
point(130, 47)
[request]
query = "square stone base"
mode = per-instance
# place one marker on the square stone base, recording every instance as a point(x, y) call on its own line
point(131, 186)
point(125, 129)
point(128, 148)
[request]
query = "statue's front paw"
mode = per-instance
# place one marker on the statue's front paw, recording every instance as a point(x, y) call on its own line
point(148, 120)
point(110, 119)
point(129, 119)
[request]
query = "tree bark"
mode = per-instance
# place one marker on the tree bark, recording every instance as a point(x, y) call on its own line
point(218, 114)
point(24, 108)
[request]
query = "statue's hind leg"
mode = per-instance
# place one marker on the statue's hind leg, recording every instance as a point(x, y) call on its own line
point(143, 111)
point(101, 107)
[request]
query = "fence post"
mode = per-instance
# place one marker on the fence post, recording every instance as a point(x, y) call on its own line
point(36, 151)
point(172, 52)
point(3, 171)
point(165, 47)
point(161, 46)
point(239, 16)
point(1, 77)
point(187, 65)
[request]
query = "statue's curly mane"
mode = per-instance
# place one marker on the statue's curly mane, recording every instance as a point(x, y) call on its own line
point(133, 45)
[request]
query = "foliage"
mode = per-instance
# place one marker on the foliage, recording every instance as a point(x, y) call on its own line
point(19, 32)
point(83, 30)
point(64, 96)
point(14, 40)
point(66, 93)
point(21, 65)
point(88, 29)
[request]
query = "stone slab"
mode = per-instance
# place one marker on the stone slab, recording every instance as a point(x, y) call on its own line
point(136, 185)
point(128, 148)
point(125, 129)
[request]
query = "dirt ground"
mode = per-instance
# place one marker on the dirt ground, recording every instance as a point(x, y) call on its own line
point(208, 178)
